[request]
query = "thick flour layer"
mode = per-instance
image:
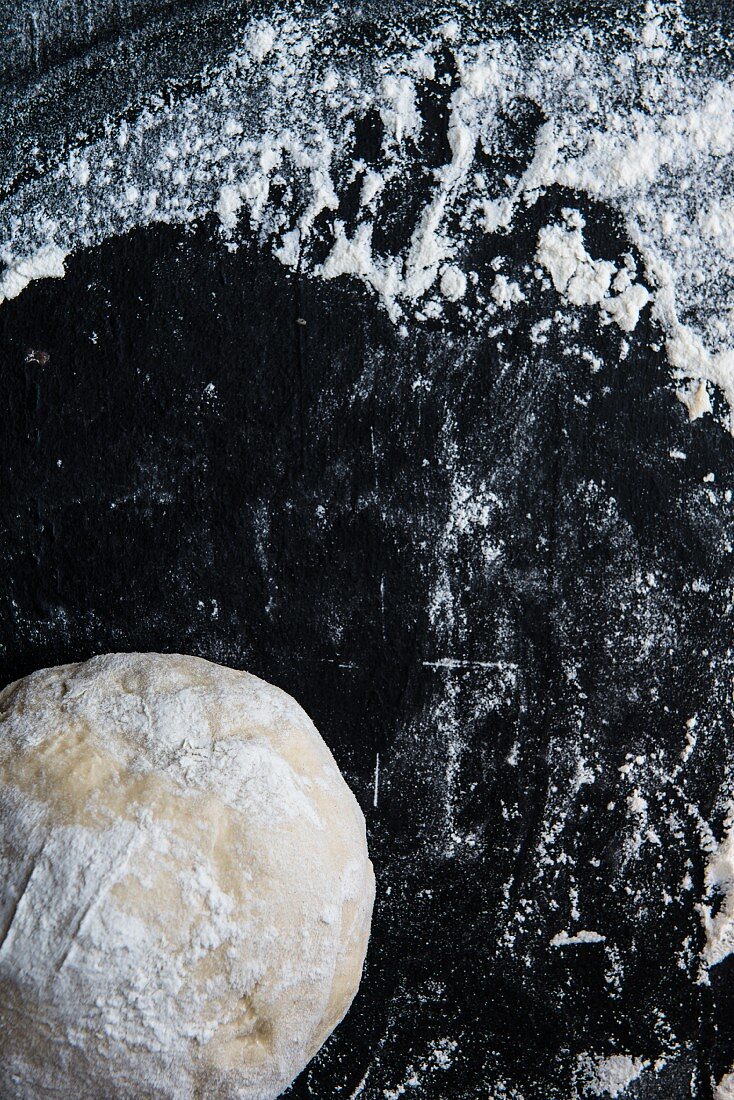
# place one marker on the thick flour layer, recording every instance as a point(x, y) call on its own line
point(634, 117)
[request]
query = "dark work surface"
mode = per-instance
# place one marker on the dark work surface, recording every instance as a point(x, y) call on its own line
point(187, 467)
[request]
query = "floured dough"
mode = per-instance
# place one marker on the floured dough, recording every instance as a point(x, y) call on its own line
point(185, 887)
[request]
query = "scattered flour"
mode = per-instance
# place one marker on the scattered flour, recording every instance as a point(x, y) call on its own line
point(725, 1088)
point(609, 1076)
point(718, 915)
point(585, 281)
point(564, 939)
point(453, 284)
point(506, 293)
point(640, 124)
point(645, 127)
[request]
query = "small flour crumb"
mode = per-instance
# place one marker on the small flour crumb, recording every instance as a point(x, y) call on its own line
point(453, 284)
point(584, 281)
point(581, 279)
point(695, 397)
point(609, 1076)
point(718, 919)
point(565, 939)
point(725, 1088)
point(228, 206)
point(506, 293)
point(46, 263)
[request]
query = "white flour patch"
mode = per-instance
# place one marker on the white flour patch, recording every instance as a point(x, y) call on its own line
point(718, 914)
point(565, 939)
point(47, 262)
point(644, 128)
point(585, 281)
point(610, 1076)
point(725, 1088)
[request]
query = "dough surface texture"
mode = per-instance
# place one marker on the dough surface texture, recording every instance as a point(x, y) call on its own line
point(185, 889)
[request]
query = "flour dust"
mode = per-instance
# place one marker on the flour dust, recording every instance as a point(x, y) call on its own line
point(308, 147)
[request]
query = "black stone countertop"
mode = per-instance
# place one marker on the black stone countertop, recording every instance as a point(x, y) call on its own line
point(185, 465)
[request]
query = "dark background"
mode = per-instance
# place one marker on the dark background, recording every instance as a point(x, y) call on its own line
point(186, 466)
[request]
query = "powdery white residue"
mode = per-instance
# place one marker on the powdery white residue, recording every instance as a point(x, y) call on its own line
point(725, 1088)
point(440, 1057)
point(47, 262)
point(585, 281)
point(506, 292)
point(718, 914)
point(565, 939)
point(453, 283)
point(600, 1076)
point(645, 128)
point(473, 509)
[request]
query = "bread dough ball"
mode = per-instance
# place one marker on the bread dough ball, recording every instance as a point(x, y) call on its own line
point(185, 890)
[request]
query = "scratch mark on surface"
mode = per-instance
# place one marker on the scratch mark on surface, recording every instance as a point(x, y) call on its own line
point(377, 781)
point(361, 1086)
point(374, 1061)
point(15, 904)
point(116, 869)
point(455, 662)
